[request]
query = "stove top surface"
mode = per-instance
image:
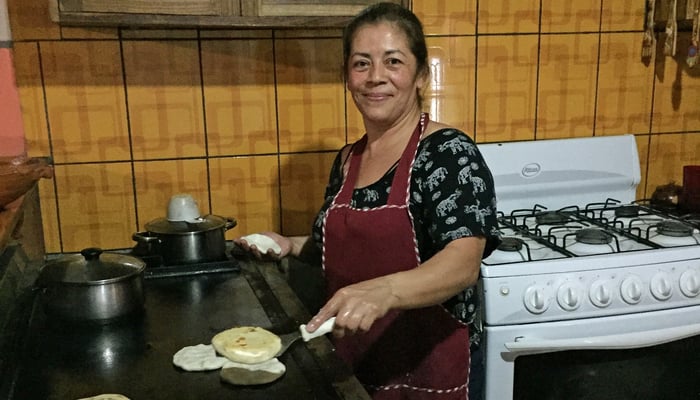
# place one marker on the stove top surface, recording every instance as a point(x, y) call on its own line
point(133, 356)
point(595, 229)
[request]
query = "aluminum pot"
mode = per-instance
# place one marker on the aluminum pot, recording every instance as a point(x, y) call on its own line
point(186, 242)
point(92, 286)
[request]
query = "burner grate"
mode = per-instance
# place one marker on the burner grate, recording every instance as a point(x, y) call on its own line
point(511, 244)
point(593, 236)
point(552, 218)
point(155, 268)
point(674, 229)
point(168, 271)
point(627, 211)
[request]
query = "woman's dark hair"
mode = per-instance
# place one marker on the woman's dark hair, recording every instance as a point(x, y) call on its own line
point(402, 18)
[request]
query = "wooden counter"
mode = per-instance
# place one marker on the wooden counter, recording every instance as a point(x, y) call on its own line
point(21, 221)
point(9, 219)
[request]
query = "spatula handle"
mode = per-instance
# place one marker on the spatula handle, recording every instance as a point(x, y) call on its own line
point(325, 327)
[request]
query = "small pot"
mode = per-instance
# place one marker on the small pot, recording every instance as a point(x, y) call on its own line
point(186, 242)
point(93, 285)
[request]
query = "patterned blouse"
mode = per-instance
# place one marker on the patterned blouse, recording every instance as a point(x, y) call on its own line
point(452, 196)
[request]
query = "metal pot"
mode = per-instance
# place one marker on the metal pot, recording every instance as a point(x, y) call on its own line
point(186, 242)
point(92, 285)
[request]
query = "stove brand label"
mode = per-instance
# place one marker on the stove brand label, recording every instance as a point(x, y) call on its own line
point(531, 170)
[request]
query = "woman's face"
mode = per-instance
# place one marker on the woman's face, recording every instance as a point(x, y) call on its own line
point(382, 73)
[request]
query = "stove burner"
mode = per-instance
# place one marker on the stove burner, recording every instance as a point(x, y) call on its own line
point(551, 218)
point(674, 228)
point(593, 236)
point(630, 211)
point(510, 244)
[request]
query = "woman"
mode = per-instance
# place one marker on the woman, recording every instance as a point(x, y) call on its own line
point(409, 213)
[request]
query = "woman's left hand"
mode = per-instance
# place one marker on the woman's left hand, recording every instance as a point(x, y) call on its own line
point(356, 307)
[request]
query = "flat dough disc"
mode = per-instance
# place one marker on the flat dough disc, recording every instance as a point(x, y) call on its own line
point(247, 344)
point(106, 396)
point(201, 357)
point(263, 243)
point(252, 374)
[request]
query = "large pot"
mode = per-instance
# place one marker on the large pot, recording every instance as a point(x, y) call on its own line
point(186, 242)
point(93, 285)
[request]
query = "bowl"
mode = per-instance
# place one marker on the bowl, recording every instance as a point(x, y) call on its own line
point(182, 207)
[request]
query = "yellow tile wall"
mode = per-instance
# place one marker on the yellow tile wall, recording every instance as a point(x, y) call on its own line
point(248, 121)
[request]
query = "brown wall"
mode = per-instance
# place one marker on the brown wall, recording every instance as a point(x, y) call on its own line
point(248, 121)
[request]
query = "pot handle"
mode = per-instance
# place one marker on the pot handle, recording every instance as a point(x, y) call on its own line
point(230, 223)
point(142, 237)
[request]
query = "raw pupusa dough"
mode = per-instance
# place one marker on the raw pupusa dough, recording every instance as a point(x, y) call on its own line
point(106, 396)
point(262, 242)
point(249, 356)
point(201, 357)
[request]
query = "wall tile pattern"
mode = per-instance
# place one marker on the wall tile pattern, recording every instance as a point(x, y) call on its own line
point(248, 121)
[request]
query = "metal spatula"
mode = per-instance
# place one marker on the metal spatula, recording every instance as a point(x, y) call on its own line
point(301, 333)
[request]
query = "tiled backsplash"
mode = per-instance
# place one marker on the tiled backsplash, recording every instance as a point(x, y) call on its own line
point(248, 121)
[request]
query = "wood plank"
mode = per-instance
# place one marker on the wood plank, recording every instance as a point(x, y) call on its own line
point(187, 21)
point(350, 8)
point(225, 14)
point(171, 7)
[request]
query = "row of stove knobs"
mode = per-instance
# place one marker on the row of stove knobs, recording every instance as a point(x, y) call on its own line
point(569, 295)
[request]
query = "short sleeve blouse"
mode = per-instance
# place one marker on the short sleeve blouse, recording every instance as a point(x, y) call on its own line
point(451, 197)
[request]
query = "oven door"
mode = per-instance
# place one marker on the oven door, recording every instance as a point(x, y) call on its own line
point(653, 355)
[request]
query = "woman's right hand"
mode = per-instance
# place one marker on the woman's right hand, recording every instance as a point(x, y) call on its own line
point(285, 246)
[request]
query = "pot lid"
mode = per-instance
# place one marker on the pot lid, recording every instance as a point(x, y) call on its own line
point(91, 266)
point(201, 224)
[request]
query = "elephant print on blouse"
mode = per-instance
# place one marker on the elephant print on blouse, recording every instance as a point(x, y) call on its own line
point(449, 204)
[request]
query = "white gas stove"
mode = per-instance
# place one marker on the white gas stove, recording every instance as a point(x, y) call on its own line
point(579, 255)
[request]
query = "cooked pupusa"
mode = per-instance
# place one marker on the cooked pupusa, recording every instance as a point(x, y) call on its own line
point(252, 374)
point(247, 344)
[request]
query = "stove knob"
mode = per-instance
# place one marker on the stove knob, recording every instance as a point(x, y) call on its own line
point(690, 283)
point(536, 299)
point(600, 294)
point(569, 296)
point(631, 289)
point(660, 286)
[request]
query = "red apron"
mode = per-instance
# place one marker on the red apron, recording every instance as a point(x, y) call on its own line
point(413, 354)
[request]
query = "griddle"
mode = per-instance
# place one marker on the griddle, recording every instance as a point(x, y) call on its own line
point(133, 356)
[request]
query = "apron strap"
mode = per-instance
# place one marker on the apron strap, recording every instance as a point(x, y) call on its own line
point(400, 184)
point(345, 194)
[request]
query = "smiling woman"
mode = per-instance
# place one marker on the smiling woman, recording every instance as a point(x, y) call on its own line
point(409, 213)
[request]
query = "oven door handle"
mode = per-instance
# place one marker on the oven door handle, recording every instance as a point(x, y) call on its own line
point(524, 345)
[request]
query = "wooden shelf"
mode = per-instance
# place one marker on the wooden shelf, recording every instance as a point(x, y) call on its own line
point(208, 13)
